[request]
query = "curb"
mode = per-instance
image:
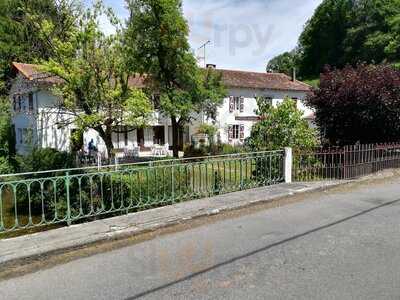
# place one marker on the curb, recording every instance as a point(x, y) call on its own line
point(117, 233)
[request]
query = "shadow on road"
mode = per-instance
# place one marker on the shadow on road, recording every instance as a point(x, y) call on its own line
point(234, 259)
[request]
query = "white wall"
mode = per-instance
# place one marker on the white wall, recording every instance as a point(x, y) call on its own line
point(41, 122)
point(46, 133)
point(226, 118)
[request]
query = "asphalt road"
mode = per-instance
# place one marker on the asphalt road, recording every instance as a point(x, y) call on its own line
point(343, 244)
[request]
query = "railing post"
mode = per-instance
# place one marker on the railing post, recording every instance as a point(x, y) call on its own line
point(98, 161)
point(67, 182)
point(288, 164)
point(116, 163)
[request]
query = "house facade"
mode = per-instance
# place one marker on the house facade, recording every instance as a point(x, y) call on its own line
point(39, 121)
point(237, 114)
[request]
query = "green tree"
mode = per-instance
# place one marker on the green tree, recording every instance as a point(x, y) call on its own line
point(374, 32)
point(284, 63)
point(20, 38)
point(322, 41)
point(345, 32)
point(95, 87)
point(7, 141)
point(281, 126)
point(157, 35)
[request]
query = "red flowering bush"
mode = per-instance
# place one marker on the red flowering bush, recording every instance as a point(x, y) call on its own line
point(360, 104)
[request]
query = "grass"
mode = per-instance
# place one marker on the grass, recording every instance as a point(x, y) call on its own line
point(313, 82)
point(138, 189)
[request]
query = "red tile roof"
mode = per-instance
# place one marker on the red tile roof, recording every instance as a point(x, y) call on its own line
point(240, 79)
point(33, 73)
point(271, 81)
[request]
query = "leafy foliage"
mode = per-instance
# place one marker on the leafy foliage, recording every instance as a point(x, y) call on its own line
point(20, 37)
point(360, 104)
point(157, 36)
point(7, 139)
point(284, 63)
point(322, 41)
point(42, 159)
point(279, 127)
point(95, 86)
point(209, 130)
point(345, 32)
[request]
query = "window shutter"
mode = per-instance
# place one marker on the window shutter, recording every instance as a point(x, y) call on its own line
point(30, 104)
point(15, 102)
point(19, 103)
point(242, 132)
point(230, 133)
point(241, 104)
point(231, 104)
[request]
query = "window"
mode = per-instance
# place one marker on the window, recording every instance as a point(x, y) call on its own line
point(15, 103)
point(30, 101)
point(156, 101)
point(236, 129)
point(268, 100)
point(236, 132)
point(20, 136)
point(27, 136)
point(23, 101)
point(236, 104)
point(126, 135)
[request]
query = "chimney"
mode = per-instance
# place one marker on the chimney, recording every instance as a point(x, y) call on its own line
point(294, 75)
point(211, 66)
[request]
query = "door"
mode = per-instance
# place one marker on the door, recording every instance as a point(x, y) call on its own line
point(140, 137)
point(159, 135)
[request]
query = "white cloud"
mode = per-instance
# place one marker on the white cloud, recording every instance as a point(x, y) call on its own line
point(244, 34)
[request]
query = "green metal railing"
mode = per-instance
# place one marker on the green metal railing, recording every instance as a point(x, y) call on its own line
point(32, 200)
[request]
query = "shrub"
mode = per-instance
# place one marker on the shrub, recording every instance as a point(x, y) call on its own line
point(42, 159)
point(209, 130)
point(281, 126)
point(53, 190)
point(215, 149)
point(192, 151)
point(360, 104)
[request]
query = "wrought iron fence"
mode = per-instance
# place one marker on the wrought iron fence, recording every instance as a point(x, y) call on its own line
point(347, 162)
point(32, 200)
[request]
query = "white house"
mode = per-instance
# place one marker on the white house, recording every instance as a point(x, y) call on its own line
point(37, 117)
point(237, 114)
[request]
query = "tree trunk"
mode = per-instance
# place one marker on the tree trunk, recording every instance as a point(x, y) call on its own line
point(175, 137)
point(106, 135)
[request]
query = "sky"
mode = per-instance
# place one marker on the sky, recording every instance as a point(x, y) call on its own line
point(243, 34)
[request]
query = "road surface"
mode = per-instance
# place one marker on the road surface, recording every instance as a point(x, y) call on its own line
point(341, 244)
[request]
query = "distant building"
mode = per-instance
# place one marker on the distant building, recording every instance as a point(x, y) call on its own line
point(39, 121)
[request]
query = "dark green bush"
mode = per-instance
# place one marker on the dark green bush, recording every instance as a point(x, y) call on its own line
point(42, 159)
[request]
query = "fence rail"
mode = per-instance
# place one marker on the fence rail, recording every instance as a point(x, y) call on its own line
point(32, 200)
point(347, 162)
